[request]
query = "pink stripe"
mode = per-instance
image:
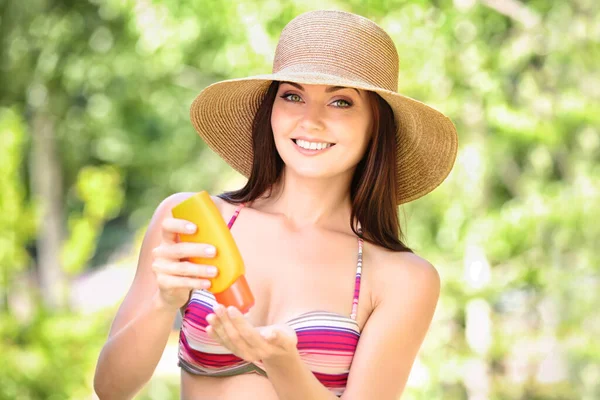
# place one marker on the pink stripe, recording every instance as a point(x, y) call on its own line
point(235, 215)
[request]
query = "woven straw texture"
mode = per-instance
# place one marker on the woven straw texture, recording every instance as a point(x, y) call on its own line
point(332, 48)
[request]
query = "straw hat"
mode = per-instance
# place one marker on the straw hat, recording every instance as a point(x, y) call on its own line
point(338, 48)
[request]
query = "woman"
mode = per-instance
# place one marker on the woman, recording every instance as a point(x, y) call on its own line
point(342, 305)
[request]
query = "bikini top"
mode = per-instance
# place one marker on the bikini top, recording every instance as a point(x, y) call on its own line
point(326, 340)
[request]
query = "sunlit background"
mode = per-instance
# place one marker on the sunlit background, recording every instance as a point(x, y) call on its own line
point(94, 133)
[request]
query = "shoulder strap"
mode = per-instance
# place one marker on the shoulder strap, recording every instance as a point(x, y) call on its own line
point(235, 214)
point(359, 263)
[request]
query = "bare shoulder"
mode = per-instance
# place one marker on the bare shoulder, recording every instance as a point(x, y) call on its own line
point(221, 204)
point(226, 209)
point(406, 289)
point(398, 276)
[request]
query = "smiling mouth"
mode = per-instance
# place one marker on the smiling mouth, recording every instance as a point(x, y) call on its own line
point(315, 149)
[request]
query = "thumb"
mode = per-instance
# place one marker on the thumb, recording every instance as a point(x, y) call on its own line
point(286, 334)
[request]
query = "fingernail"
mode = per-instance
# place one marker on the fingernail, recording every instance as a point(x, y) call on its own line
point(210, 250)
point(212, 271)
point(190, 227)
point(233, 312)
point(267, 335)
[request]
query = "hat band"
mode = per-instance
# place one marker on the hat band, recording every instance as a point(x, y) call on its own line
point(331, 75)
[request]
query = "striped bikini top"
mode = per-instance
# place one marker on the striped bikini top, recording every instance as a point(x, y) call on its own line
point(326, 340)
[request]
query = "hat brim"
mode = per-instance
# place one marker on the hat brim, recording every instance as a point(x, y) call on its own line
point(223, 113)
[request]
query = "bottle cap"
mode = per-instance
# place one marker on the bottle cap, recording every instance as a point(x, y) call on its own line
point(237, 295)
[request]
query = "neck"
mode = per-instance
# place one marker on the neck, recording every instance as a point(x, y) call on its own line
point(311, 202)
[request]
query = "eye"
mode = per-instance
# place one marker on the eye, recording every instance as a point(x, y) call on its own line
point(341, 102)
point(348, 104)
point(287, 95)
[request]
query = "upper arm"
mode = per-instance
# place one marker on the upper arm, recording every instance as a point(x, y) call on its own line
point(144, 283)
point(393, 334)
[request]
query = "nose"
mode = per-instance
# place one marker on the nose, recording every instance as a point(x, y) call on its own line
point(312, 118)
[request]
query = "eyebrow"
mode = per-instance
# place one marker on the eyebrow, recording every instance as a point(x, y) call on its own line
point(328, 90)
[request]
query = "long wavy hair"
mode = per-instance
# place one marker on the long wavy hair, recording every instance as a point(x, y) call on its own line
point(373, 186)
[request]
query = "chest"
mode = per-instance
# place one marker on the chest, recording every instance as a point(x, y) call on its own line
point(295, 273)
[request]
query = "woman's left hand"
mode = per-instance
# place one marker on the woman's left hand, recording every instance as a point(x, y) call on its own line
point(230, 328)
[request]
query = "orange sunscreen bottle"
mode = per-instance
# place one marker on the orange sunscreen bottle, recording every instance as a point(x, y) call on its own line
point(229, 286)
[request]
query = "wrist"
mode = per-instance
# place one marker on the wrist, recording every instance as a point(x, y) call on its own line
point(159, 304)
point(285, 360)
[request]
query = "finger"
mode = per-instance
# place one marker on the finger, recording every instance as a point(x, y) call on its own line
point(173, 226)
point(178, 251)
point(248, 332)
point(271, 336)
point(217, 331)
point(210, 328)
point(215, 328)
point(184, 268)
point(268, 333)
point(228, 329)
point(280, 335)
point(181, 282)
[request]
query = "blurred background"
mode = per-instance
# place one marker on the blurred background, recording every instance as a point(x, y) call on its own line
point(94, 133)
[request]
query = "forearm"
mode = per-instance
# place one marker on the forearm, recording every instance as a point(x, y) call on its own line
point(292, 380)
point(129, 358)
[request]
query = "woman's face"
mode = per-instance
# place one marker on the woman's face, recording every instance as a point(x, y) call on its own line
point(308, 114)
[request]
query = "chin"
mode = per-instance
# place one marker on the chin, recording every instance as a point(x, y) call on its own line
point(312, 171)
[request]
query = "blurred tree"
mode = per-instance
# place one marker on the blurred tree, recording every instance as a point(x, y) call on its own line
point(110, 83)
point(16, 228)
point(41, 44)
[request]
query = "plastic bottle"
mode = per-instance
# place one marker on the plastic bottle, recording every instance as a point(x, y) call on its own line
point(229, 286)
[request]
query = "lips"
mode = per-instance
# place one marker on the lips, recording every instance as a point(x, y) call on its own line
point(313, 152)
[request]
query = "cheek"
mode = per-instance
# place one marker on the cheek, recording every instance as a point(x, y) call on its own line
point(279, 121)
point(358, 133)
point(366, 129)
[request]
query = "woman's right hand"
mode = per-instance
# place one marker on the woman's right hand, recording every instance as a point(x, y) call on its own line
point(175, 276)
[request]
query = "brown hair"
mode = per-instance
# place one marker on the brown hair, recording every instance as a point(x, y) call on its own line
point(373, 186)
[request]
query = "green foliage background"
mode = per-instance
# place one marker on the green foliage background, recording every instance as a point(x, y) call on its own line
point(514, 230)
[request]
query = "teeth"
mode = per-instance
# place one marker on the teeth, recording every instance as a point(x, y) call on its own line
point(311, 145)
